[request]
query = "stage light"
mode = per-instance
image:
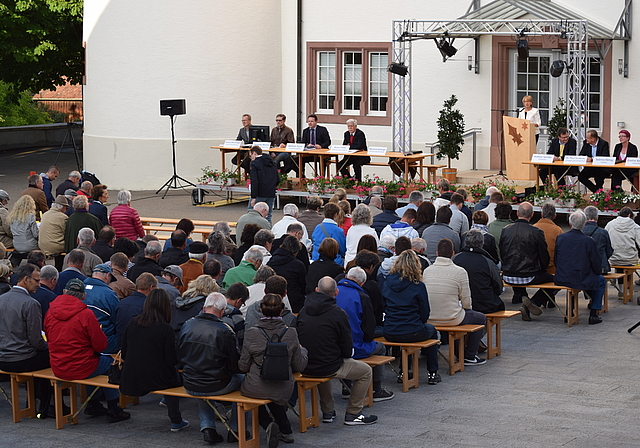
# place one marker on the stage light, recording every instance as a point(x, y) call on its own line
point(446, 49)
point(398, 68)
point(523, 48)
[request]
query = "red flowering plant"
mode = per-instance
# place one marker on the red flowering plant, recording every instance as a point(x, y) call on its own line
point(478, 191)
point(612, 200)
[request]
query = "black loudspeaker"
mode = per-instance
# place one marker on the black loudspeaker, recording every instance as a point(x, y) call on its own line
point(556, 68)
point(173, 107)
point(523, 48)
point(398, 69)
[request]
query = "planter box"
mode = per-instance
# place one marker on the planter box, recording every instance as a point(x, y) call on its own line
point(570, 203)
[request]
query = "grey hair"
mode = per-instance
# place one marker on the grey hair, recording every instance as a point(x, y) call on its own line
point(254, 255)
point(357, 274)
point(80, 202)
point(577, 220)
point(261, 206)
point(376, 201)
point(263, 274)
point(492, 190)
point(591, 213)
point(124, 197)
point(222, 227)
point(290, 209)
point(352, 121)
point(415, 197)
point(525, 210)
point(153, 248)
point(377, 189)
point(361, 215)
point(295, 227)
point(549, 210)
point(48, 272)
point(327, 285)
point(75, 175)
point(216, 301)
point(86, 236)
point(216, 242)
point(388, 241)
point(57, 206)
point(418, 244)
point(263, 236)
point(474, 238)
point(200, 257)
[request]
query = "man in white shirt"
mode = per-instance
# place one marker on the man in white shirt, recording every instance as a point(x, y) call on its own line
point(290, 216)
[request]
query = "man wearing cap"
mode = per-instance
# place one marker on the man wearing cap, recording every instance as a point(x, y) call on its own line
point(75, 261)
point(123, 287)
point(194, 267)
point(103, 301)
point(70, 194)
point(52, 228)
point(52, 174)
point(6, 237)
point(35, 191)
point(131, 306)
point(149, 263)
point(71, 183)
point(170, 280)
point(75, 341)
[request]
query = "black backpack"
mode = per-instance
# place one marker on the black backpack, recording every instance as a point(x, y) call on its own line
point(275, 361)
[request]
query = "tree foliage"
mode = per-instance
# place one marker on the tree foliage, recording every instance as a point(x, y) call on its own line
point(21, 111)
point(450, 130)
point(40, 44)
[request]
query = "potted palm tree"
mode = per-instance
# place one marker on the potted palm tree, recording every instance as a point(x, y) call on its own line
point(450, 139)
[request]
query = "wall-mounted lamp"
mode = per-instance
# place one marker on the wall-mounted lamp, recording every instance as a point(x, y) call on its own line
point(470, 62)
point(620, 66)
point(621, 124)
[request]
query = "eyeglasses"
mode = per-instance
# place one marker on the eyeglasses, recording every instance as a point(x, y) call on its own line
point(33, 278)
point(277, 119)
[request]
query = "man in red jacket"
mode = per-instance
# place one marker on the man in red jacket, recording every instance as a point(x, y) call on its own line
point(75, 342)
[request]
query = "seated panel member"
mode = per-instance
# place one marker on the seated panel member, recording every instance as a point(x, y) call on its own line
point(244, 134)
point(356, 139)
point(623, 150)
point(562, 145)
point(281, 134)
point(593, 146)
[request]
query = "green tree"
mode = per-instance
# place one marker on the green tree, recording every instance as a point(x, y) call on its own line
point(21, 111)
point(450, 130)
point(40, 44)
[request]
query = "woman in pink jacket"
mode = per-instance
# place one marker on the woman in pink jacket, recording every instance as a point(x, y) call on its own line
point(124, 218)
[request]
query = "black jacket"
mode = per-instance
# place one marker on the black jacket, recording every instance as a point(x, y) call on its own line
point(294, 271)
point(382, 220)
point(323, 329)
point(484, 279)
point(264, 177)
point(632, 150)
point(359, 140)
point(322, 267)
point(570, 147)
point(209, 353)
point(144, 265)
point(601, 151)
point(603, 241)
point(577, 261)
point(102, 250)
point(523, 250)
point(303, 255)
point(322, 136)
point(173, 256)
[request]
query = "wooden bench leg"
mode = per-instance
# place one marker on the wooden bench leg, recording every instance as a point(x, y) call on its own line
point(605, 299)
point(61, 418)
point(456, 366)
point(18, 412)
point(494, 347)
point(314, 420)
point(254, 441)
point(406, 382)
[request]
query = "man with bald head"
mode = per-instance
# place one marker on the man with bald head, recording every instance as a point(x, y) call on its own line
point(525, 260)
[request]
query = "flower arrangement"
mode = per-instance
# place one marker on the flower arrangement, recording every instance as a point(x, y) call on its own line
point(396, 187)
point(224, 178)
point(612, 200)
point(562, 196)
point(478, 191)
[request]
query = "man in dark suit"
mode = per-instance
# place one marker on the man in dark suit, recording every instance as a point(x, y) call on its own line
point(562, 145)
point(244, 134)
point(314, 137)
point(593, 146)
point(356, 139)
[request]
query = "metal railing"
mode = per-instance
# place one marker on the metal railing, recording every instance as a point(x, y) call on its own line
point(473, 132)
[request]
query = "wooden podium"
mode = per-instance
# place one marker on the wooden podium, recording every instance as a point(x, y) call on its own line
point(519, 145)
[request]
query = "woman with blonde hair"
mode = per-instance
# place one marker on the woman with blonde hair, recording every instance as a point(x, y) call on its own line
point(339, 195)
point(407, 309)
point(344, 217)
point(528, 112)
point(361, 221)
point(23, 224)
point(191, 302)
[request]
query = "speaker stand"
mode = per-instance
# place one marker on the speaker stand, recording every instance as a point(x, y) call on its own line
point(175, 181)
point(69, 135)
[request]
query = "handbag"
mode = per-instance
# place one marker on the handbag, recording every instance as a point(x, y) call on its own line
point(115, 369)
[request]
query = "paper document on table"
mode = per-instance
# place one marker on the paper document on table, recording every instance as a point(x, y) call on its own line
point(633, 161)
point(581, 160)
point(235, 144)
point(376, 151)
point(263, 145)
point(604, 160)
point(542, 158)
point(295, 146)
point(341, 149)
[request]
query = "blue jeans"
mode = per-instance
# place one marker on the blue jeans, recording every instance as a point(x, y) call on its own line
point(473, 339)
point(268, 201)
point(596, 295)
point(206, 414)
point(104, 362)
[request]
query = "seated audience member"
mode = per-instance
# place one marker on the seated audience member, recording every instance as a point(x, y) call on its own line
point(273, 285)
point(525, 259)
point(375, 205)
point(122, 286)
point(44, 294)
point(127, 247)
point(36, 258)
point(257, 215)
point(209, 353)
point(459, 222)
point(419, 246)
point(24, 228)
point(450, 299)
point(149, 263)
point(236, 295)
point(252, 354)
point(5, 273)
point(103, 246)
point(72, 182)
point(367, 242)
point(483, 273)
point(295, 230)
point(444, 188)
point(194, 266)
point(256, 290)
point(52, 228)
point(229, 245)
point(175, 252)
point(439, 230)
point(142, 244)
point(132, 306)
point(325, 265)
point(103, 301)
point(213, 269)
point(357, 304)
point(388, 215)
point(600, 236)
point(490, 209)
point(311, 217)
point(403, 243)
point(79, 219)
point(192, 301)
point(22, 347)
point(85, 189)
point(345, 216)
point(34, 190)
point(415, 200)
point(368, 261)
point(285, 264)
point(464, 209)
point(246, 241)
point(387, 247)
point(125, 219)
point(170, 279)
point(246, 270)
point(99, 196)
point(551, 231)
point(263, 241)
point(484, 202)
point(150, 357)
point(291, 215)
point(404, 227)
point(340, 194)
point(217, 243)
point(75, 343)
point(503, 219)
point(578, 264)
point(86, 240)
point(328, 228)
point(324, 331)
point(425, 216)
point(625, 238)
point(6, 237)
point(361, 221)
point(480, 223)
point(75, 261)
point(187, 226)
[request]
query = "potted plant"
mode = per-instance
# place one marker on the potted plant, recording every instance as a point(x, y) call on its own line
point(558, 119)
point(285, 182)
point(450, 140)
point(223, 178)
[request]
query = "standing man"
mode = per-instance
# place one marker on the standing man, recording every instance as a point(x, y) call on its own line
point(562, 145)
point(244, 134)
point(52, 174)
point(593, 146)
point(264, 179)
point(35, 191)
point(280, 136)
point(73, 182)
point(356, 139)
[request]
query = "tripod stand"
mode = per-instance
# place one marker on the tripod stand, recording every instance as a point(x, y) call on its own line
point(501, 146)
point(174, 181)
point(69, 135)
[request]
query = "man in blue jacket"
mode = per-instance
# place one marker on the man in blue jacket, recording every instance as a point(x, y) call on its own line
point(578, 264)
point(103, 301)
point(132, 306)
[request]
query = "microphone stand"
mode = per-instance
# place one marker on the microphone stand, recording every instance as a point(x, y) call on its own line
point(501, 146)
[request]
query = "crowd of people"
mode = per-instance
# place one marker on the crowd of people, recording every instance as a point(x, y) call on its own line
point(325, 282)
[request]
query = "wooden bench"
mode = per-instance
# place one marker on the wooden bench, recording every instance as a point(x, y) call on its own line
point(571, 314)
point(204, 233)
point(16, 380)
point(627, 271)
point(409, 348)
point(605, 298)
point(374, 361)
point(308, 383)
point(457, 334)
point(494, 348)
